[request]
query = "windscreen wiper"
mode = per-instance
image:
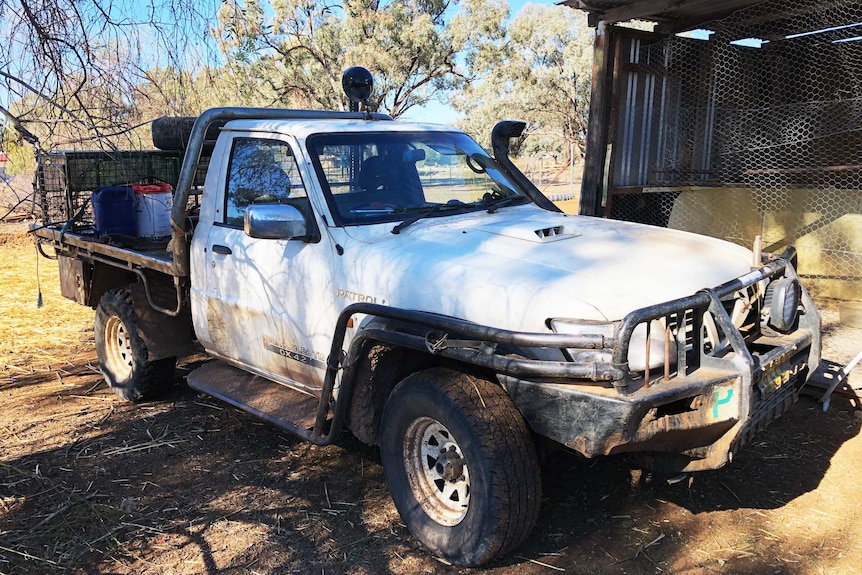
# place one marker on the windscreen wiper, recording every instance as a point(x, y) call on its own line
point(496, 205)
point(421, 215)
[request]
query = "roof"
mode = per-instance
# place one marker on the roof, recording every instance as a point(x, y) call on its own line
point(302, 128)
point(674, 16)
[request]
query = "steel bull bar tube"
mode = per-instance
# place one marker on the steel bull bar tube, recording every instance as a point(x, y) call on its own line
point(707, 299)
point(463, 329)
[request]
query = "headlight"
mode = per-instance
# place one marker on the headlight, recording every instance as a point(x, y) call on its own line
point(637, 347)
point(782, 303)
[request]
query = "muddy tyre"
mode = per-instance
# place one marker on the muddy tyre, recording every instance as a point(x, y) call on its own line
point(460, 464)
point(123, 356)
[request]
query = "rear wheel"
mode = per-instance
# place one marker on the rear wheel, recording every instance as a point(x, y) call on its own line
point(123, 356)
point(460, 465)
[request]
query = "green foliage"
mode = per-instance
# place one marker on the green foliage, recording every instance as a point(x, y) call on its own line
point(21, 158)
point(295, 51)
point(541, 74)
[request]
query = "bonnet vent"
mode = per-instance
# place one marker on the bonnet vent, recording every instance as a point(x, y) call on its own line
point(539, 235)
point(551, 232)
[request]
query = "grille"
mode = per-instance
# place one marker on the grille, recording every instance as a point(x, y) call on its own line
point(743, 307)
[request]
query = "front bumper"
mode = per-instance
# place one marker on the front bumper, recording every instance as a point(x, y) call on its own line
point(691, 422)
point(696, 415)
point(706, 403)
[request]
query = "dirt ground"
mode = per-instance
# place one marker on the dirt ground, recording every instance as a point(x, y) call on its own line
point(186, 485)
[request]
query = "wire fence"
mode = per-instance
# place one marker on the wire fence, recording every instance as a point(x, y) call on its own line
point(756, 130)
point(559, 180)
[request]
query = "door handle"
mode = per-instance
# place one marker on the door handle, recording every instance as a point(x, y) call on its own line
point(223, 250)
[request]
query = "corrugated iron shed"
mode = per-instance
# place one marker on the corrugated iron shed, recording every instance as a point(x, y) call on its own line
point(673, 16)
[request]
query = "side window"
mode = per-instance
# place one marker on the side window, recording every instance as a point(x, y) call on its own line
point(262, 172)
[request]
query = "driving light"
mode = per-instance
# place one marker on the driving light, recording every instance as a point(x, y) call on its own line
point(357, 84)
point(782, 303)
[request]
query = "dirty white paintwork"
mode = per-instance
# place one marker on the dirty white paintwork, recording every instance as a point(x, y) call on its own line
point(487, 268)
point(269, 305)
point(492, 269)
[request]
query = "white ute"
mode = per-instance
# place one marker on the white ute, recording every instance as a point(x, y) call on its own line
point(346, 270)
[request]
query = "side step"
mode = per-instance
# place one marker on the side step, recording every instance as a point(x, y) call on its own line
point(277, 404)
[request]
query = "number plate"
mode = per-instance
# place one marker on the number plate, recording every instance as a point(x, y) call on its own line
point(777, 374)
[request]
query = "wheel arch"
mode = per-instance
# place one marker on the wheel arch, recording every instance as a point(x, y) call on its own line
point(104, 278)
point(165, 336)
point(390, 344)
point(380, 366)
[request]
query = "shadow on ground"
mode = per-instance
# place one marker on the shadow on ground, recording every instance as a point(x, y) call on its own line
point(189, 485)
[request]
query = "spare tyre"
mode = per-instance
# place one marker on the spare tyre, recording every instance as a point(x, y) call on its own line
point(172, 133)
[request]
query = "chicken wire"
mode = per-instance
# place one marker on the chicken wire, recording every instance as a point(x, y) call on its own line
point(756, 130)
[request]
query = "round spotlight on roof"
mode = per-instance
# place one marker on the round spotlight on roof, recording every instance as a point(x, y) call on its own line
point(357, 83)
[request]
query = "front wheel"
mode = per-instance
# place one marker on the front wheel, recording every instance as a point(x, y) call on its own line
point(460, 465)
point(123, 356)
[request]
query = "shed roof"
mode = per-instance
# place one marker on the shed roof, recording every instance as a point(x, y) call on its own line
point(672, 16)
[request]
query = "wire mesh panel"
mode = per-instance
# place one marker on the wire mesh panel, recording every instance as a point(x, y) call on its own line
point(65, 180)
point(557, 178)
point(752, 126)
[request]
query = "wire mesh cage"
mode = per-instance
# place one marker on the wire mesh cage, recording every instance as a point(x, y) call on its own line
point(65, 180)
point(751, 126)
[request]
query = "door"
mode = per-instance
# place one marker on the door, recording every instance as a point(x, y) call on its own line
point(270, 304)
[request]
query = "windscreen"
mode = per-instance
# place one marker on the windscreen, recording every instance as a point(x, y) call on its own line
point(372, 177)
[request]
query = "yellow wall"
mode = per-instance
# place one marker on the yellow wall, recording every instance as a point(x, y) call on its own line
point(824, 225)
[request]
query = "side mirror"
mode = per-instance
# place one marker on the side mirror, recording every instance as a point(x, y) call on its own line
point(274, 222)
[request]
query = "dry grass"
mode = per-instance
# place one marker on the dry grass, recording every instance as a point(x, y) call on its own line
point(78, 523)
point(92, 484)
point(33, 339)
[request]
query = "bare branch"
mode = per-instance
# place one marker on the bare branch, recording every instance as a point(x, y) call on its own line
point(16, 123)
point(37, 92)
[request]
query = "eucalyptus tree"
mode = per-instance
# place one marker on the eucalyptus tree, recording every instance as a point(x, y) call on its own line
point(296, 50)
point(541, 73)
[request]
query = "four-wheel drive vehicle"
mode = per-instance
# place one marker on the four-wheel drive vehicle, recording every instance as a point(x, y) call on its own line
point(343, 269)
